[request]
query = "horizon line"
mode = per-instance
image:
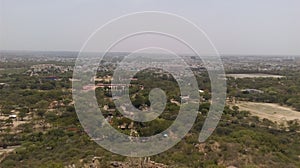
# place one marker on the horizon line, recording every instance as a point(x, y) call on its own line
point(187, 54)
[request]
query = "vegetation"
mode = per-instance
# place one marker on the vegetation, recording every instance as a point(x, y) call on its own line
point(50, 134)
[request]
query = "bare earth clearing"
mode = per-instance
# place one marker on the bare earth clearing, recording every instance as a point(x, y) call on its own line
point(253, 76)
point(271, 111)
point(4, 152)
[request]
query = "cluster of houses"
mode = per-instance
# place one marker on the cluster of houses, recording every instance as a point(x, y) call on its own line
point(261, 64)
point(35, 70)
point(105, 82)
point(7, 121)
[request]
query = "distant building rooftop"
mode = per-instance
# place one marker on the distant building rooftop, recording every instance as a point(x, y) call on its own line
point(248, 91)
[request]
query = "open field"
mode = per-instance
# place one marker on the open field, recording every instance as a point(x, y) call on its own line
point(271, 111)
point(12, 70)
point(253, 76)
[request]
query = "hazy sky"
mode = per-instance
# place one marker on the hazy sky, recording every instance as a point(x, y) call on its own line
point(235, 26)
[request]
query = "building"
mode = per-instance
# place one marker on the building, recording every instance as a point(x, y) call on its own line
point(13, 116)
point(251, 91)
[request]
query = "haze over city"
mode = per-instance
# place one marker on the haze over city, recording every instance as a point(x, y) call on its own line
point(269, 27)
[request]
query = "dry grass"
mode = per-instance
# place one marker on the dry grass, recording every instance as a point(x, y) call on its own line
point(253, 76)
point(271, 111)
point(8, 149)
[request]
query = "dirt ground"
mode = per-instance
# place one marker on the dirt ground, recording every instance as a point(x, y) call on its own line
point(4, 152)
point(271, 111)
point(253, 76)
point(8, 149)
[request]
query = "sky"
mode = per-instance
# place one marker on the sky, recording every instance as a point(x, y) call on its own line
point(248, 27)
